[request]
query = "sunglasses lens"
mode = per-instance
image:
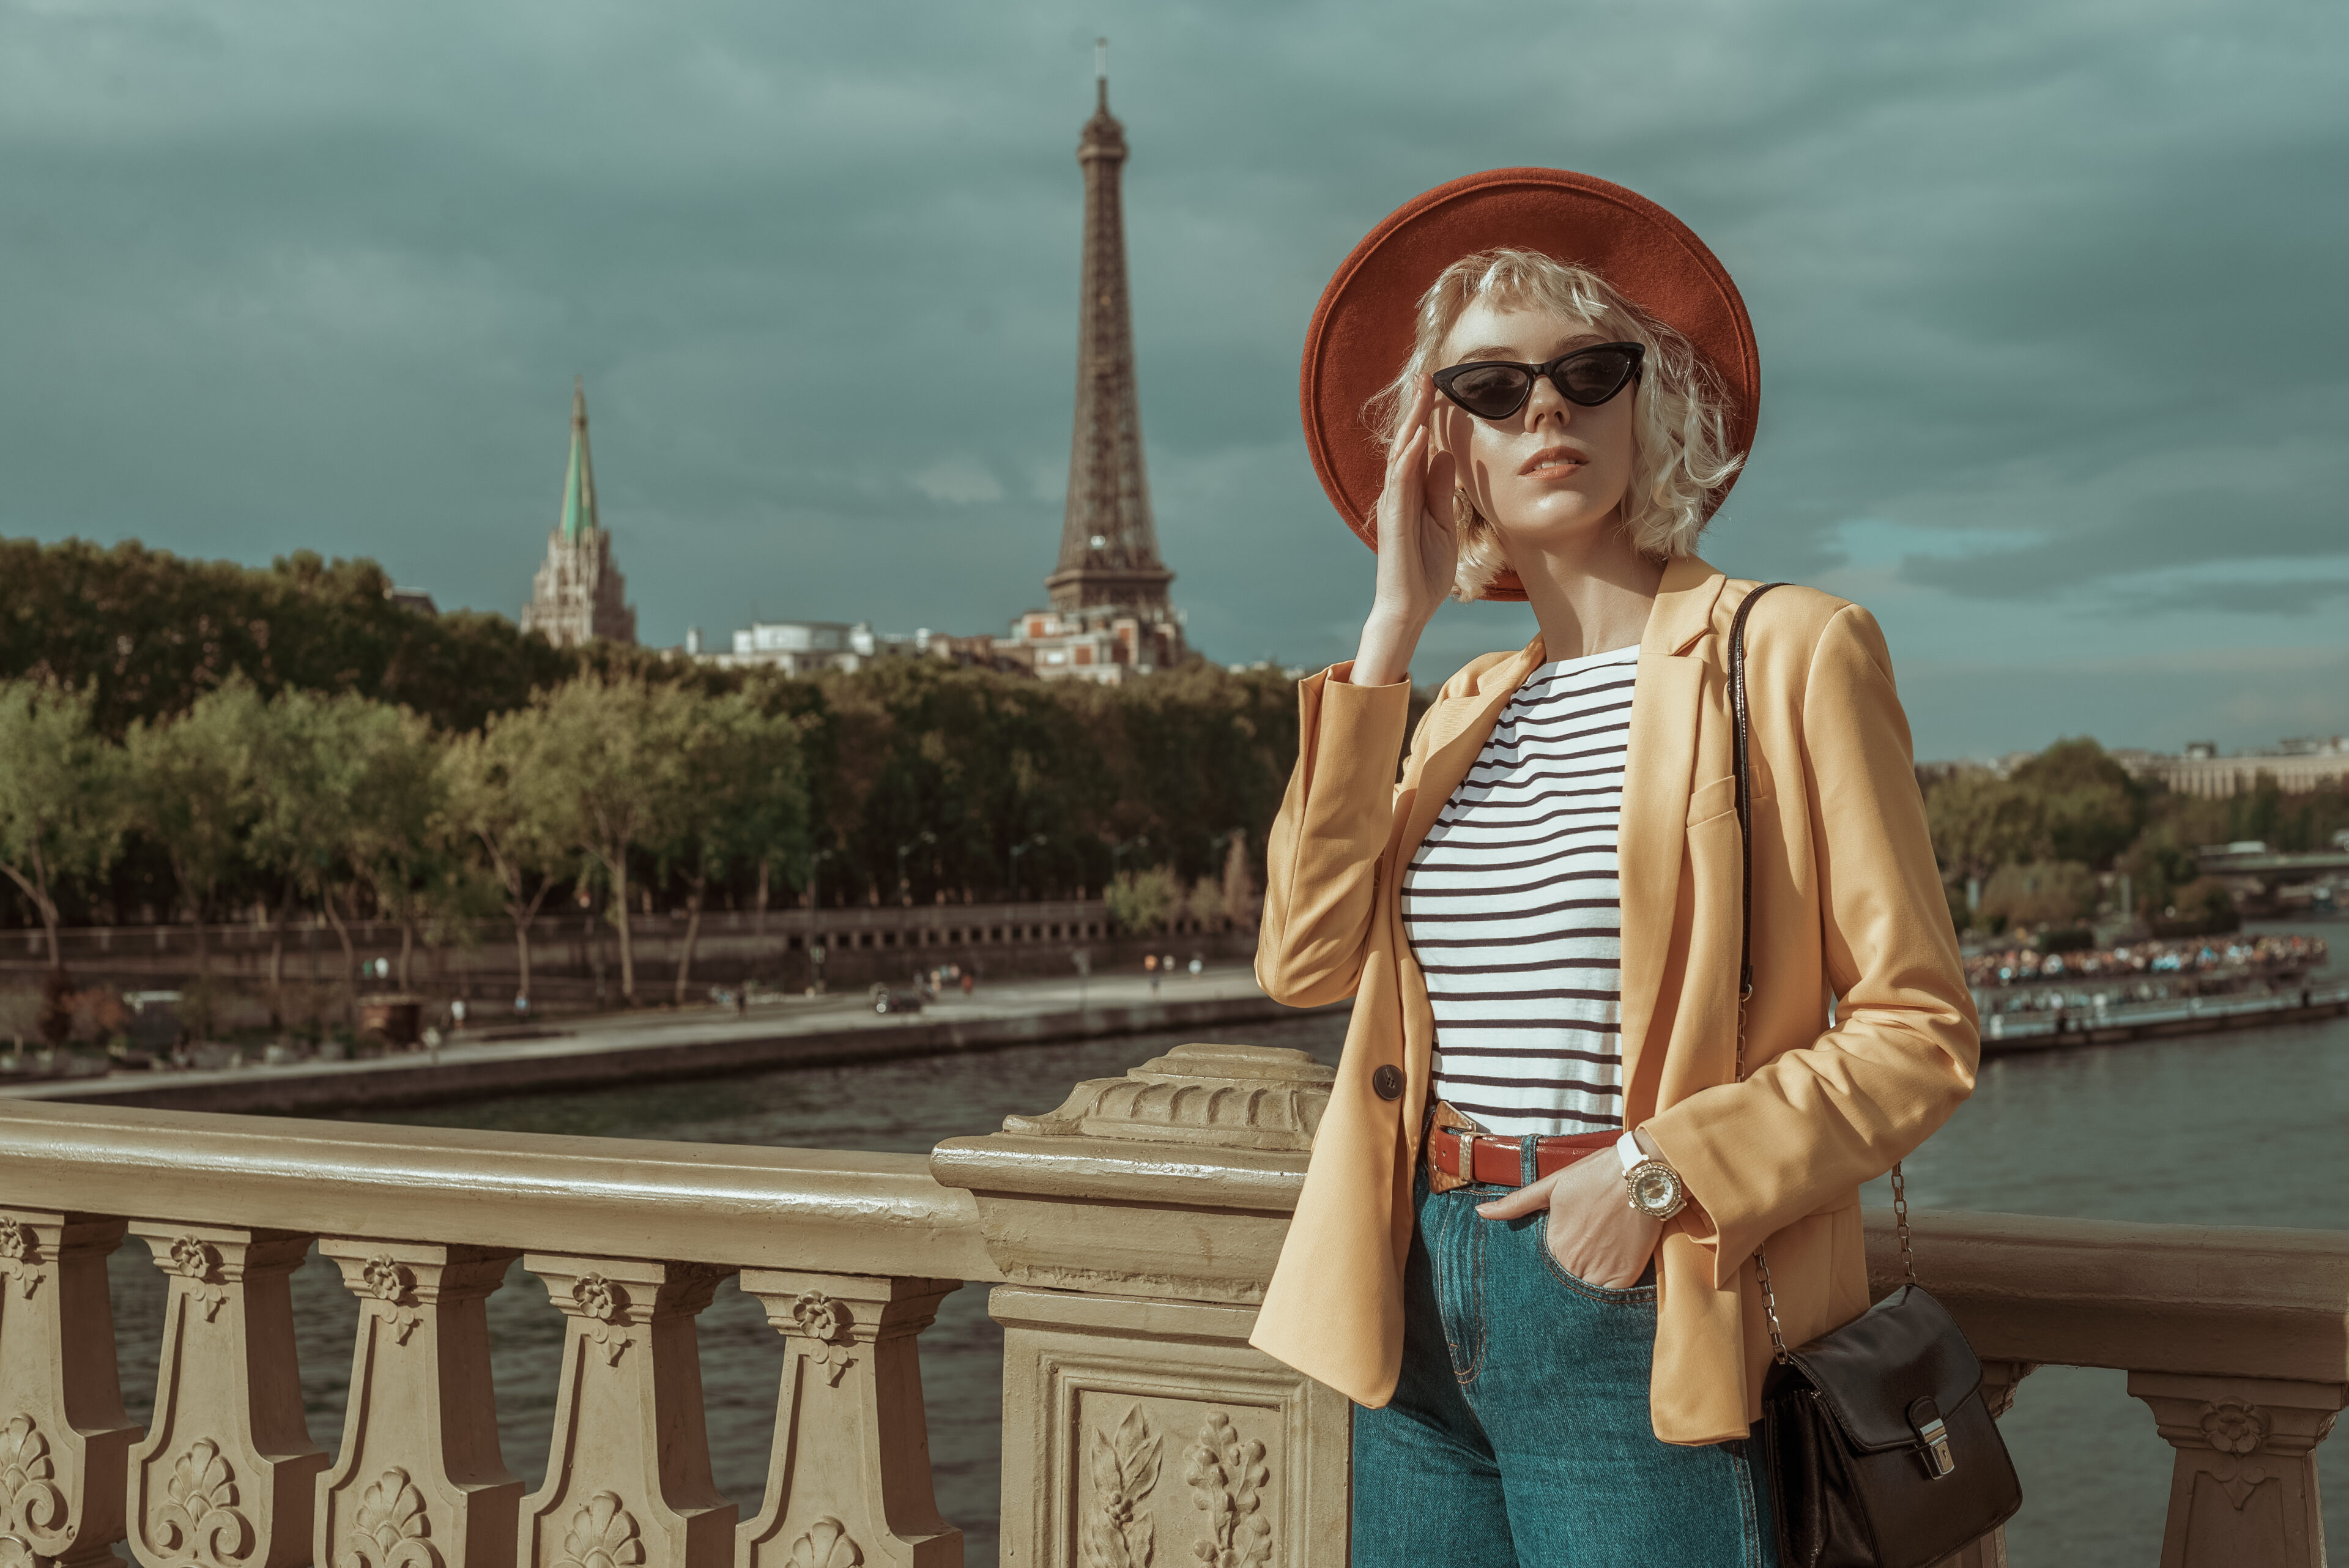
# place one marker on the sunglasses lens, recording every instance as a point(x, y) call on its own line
point(1590, 379)
point(1489, 391)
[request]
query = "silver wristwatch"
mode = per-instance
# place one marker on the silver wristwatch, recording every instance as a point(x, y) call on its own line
point(1652, 1186)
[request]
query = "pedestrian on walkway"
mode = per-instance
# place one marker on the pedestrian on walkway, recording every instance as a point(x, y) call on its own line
point(1150, 968)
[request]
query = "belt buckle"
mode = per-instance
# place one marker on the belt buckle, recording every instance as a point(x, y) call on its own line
point(1467, 1172)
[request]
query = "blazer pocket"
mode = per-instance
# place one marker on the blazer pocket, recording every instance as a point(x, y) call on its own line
point(1718, 798)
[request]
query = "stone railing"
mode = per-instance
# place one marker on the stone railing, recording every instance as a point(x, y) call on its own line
point(1127, 1236)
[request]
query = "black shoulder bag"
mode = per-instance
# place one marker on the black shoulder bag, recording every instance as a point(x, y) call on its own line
point(1881, 1450)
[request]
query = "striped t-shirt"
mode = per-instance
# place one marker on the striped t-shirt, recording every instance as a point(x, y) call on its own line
point(1511, 908)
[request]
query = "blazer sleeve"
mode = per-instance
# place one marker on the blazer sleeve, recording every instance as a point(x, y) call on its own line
point(1811, 1125)
point(1323, 857)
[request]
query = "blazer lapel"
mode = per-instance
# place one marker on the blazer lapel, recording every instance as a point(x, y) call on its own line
point(1455, 737)
point(1667, 709)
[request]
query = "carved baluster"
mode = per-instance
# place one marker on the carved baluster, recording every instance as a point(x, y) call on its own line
point(63, 1435)
point(1998, 1385)
point(225, 1476)
point(627, 1477)
point(2242, 1493)
point(419, 1483)
point(849, 1482)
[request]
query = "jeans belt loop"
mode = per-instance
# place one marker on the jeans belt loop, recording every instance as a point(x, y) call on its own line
point(1528, 1167)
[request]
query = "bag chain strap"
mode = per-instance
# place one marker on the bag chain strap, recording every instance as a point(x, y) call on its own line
point(1745, 960)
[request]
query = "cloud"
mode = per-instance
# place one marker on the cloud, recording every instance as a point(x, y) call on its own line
point(958, 481)
point(2046, 291)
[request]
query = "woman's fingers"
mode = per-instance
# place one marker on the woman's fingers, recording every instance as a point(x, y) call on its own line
point(1524, 1201)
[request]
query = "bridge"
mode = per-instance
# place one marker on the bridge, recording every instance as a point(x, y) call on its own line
point(2270, 865)
point(1123, 1239)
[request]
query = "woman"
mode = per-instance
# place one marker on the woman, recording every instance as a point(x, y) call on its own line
point(1556, 1327)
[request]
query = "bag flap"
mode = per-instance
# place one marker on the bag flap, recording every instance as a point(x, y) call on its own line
point(1904, 1348)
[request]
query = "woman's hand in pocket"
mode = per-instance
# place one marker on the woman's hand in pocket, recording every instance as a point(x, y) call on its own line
point(1594, 1232)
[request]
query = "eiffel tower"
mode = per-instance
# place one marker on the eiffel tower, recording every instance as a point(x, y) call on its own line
point(1110, 616)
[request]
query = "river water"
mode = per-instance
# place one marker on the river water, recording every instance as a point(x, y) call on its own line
point(2224, 1130)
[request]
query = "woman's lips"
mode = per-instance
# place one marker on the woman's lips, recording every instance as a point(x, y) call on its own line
point(1555, 468)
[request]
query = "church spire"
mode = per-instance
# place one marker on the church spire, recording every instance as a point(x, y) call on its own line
point(1108, 545)
point(579, 482)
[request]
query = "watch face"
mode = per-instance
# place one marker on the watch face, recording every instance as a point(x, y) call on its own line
point(1655, 1189)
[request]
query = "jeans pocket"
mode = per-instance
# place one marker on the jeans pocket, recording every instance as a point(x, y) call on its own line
point(1641, 1295)
point(1455, 1258)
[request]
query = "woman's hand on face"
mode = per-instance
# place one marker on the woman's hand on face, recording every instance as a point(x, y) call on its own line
point(1594, 1232)
point(1419, 550)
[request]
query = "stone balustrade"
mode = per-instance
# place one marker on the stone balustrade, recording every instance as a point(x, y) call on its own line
point(1126, 1236)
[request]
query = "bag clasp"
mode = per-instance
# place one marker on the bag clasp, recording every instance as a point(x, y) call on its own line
point(1932, 1437)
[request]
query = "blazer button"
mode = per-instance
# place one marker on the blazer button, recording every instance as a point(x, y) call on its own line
point(1388, 1082)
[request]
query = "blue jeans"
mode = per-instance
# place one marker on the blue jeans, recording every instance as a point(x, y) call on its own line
point(1519, 1432)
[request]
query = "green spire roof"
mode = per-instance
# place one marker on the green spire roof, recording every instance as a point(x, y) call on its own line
point(579, 484)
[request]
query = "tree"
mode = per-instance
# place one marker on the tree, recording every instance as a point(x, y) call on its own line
point(60, 796)
point(1980, 821)
point(1242, 903)
point(740, 795)
point(612, 758)
point(398, 833)
point(2089, 806)
point(2044, 893)
point(1144, 902)
point(1204, 902)
point(191, 789)
point(499, 788)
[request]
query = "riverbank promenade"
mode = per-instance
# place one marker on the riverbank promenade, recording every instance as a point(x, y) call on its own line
point(693, 1041)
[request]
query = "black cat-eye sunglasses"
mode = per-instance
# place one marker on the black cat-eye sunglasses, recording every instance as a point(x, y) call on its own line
point(1496, 389)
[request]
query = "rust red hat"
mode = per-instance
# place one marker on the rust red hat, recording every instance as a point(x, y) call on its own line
point(1362, 331)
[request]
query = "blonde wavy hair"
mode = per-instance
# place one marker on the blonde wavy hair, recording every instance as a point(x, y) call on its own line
point(1679, 436)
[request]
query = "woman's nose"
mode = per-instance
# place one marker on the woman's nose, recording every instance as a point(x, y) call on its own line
point(1545, 401)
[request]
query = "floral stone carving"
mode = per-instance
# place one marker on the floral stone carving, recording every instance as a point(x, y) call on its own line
point(1121, 1467)
point(826, 1544)
point(606, 1304)
point(1229, 1096)
point(30, 1502)
point(1227, 1476)
point(198, 1261)
point(603, 1534)
point(2238, 1430)
point(20, 1254)
point(388, 1529)
point(199, 1520)
point(393, 1283)
point(827, 1323)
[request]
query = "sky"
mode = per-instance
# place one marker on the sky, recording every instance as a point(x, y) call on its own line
point(2055, 361)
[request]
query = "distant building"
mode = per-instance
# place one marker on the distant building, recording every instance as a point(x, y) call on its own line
point(1109, 617)
point(2297, 765)
point(579, 595)
point(415, 600)
point(805, 646)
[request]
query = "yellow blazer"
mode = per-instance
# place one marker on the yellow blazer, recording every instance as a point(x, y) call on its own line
point(1850, 923)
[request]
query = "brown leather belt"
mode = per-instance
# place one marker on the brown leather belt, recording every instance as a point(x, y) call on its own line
point(1465, 1156)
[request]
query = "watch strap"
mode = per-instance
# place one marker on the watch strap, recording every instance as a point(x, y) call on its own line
point(1627, 1150)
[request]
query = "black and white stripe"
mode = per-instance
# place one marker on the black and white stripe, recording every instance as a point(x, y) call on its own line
point(1512, 909)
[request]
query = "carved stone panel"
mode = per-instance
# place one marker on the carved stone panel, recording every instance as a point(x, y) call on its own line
point(849, 1482)
point(628, 1476)
point(2244, 1489)
point(1139, 1433)
point(419, 1483)
point(225, 1475)
point(63, 1436)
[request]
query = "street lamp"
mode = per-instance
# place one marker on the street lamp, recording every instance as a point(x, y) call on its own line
point(904, 895)
point(815, 915)
point(1118, 847)
point(1023, 847)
